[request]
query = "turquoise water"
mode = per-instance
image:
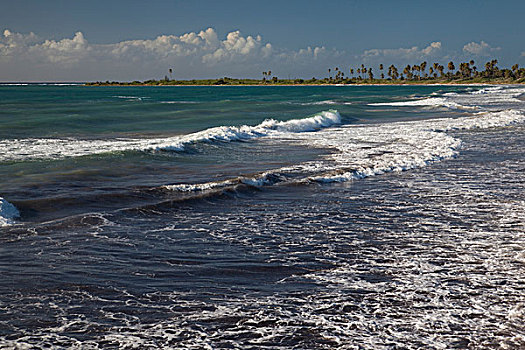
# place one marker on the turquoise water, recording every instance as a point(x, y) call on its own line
point(262, 217)
point(77, 111)
point(91, 115)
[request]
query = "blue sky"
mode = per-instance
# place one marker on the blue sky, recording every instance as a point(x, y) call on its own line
point(126, 40)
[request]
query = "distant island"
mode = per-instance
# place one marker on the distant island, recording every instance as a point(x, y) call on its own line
point(467, 73)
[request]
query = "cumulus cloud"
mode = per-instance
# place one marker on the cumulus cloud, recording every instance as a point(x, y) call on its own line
point(28, 57)
point(405, 53)
point(479, 49)
point(12, 44)
point(190, 54)
point(65, 51)
point(238, 47)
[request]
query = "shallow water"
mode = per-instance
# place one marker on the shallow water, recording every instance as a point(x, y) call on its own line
point(400, 226)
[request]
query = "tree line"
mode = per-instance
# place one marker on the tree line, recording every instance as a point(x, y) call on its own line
point(418, 72)
point(466, 72)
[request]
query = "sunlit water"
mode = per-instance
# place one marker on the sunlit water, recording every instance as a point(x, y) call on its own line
point(357, 218)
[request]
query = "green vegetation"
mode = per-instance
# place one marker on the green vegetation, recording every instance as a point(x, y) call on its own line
point(467, 73)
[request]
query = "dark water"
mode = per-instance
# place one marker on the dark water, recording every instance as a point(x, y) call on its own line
point(399, 225)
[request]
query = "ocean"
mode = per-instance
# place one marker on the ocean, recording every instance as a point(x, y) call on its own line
point(274, 217)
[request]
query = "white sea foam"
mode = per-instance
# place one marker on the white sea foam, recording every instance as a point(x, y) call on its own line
point(60, 84)
point(488, 98)
point(487, 90)
point(258, 180)
point(131, 98)
point(179, 102)
point(326, 102)
point(364, 151)
point(426, 102)
point(201, 187)
point(25, 149)
point(41, 84)
point(492, 97)
point(8, 213)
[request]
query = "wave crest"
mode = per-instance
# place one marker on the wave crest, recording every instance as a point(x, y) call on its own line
point(366, 150)
point(31, 149)
point(8, 213)
point(426, 102)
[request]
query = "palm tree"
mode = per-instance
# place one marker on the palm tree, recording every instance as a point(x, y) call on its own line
point(416, 68)
point(465, 70)
point(171, 71)
point(423, 66)
point(392, 72)
point(488, 69)
point(451, 68)
point(495, 70)
point(441, 70)
point(407, 72)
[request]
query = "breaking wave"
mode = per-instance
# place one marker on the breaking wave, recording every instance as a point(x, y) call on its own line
point(426, 102)
point(366, 150)
point(32, 149)
point(373, 150)
point(326, 102)
point(488, 97)
point(8, 213)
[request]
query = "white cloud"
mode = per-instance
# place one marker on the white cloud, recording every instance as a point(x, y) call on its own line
point(238, 47)
point(432, 48)
point(404, 53)
point(15, 43)
point(27, 57)
point(479, 49)
point(190, 55)
point(64, 51)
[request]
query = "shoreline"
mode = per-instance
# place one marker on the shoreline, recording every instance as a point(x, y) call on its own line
point(299, 85)
point(125, 84)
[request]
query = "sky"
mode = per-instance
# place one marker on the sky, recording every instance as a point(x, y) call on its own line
point(126, 40)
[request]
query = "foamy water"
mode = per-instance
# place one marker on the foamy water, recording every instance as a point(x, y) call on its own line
point(33, 149)
point(367, 150)
point(8, 213)
point(361, 228)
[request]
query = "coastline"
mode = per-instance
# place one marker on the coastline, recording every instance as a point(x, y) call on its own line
point(289, 85)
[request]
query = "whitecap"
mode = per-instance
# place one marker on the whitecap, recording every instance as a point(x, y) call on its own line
point(131, 98)
point(326, 102)
point(365, 150)
point(31, 149)
point(426, 102)
point(8, 213)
